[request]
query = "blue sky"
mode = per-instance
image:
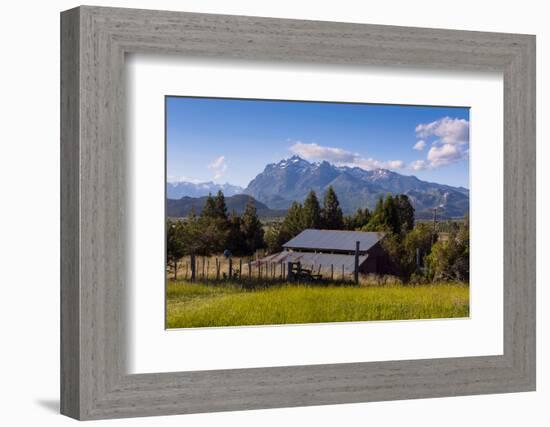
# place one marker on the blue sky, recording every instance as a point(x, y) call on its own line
point(228, 140)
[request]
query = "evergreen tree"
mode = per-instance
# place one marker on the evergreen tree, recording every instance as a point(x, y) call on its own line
point(349, 222)
point(311, 211)
point(175, 246)
point(274, 239)
point(332, 218)
point(391, 215)
point(386, 216)
point(357, 221)
point(364, 217)
point(219, 206)
point(405, 213)
point(251, 228)
point(378, 210)
point(236, 242)
point(376, 220)
point(293, 224)
point(209, 208)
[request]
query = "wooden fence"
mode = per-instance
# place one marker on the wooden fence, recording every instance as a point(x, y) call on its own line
point(210, 269)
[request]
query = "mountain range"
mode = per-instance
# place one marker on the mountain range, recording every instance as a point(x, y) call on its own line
point(279, 184)
point(186, 205)
point(177, 190)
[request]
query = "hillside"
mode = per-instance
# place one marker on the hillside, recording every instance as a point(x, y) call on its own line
point(183, 207)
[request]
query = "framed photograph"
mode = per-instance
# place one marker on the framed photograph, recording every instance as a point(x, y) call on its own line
point(262, 213)
point(331, 232)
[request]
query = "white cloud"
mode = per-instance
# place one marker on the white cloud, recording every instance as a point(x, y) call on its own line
point(341, 157)
point(395, 164)
point(419, 146)
point(218, 167)
point(450, 142)
point(181, 178)
point(445, 154)
point(315, 151)
point(449, 131)
point(419, 165)
point(371, 163)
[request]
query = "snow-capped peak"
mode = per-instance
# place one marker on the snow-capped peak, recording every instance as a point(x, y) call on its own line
point(294, 161)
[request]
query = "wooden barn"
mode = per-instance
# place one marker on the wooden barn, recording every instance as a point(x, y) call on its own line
point(335, 250)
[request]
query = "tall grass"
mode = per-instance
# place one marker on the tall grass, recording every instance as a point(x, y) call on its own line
point(199, 305)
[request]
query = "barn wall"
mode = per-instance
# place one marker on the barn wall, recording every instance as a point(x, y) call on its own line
point(378, 261)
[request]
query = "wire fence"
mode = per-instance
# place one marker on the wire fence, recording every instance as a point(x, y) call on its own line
point(248, 269)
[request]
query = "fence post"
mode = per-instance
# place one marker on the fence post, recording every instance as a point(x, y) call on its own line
point(217, 269)
point(356, 265)
point(342, 271)
point(331, 272)
point(289, 271)
point(230, 267)
point(249, 270)
point(193, 268)
point(240, 268)
point(207, 268)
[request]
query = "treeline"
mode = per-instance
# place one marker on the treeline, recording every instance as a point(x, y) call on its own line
point(425, 255)
point(310, 214)
point(214, 231)
point(393, 214)
point(417, 252)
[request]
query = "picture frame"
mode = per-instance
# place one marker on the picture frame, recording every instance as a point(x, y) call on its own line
point(94, 380)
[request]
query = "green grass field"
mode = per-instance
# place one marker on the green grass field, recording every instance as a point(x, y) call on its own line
point(199, 305)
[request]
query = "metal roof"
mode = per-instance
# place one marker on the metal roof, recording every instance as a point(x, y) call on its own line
point(313, 261)
point(334, 240)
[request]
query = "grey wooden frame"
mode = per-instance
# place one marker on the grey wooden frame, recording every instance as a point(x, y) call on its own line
point(94, 382)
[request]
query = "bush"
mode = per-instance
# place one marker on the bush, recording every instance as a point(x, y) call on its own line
point(449, 260)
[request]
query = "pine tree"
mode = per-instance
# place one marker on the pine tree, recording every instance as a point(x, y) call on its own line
point(332, 218)
point(363, 217)
point(311, 211)
point(236, 241)
point(214, 224)
point(274, 239)
point(405, 213)
point(175, 246)
point(220, 207)
point(251, 228)
point(391, 214)
point(209, 208)
point(378, 210)
point(293, 224)
point(384, 217)
point(358, 220)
